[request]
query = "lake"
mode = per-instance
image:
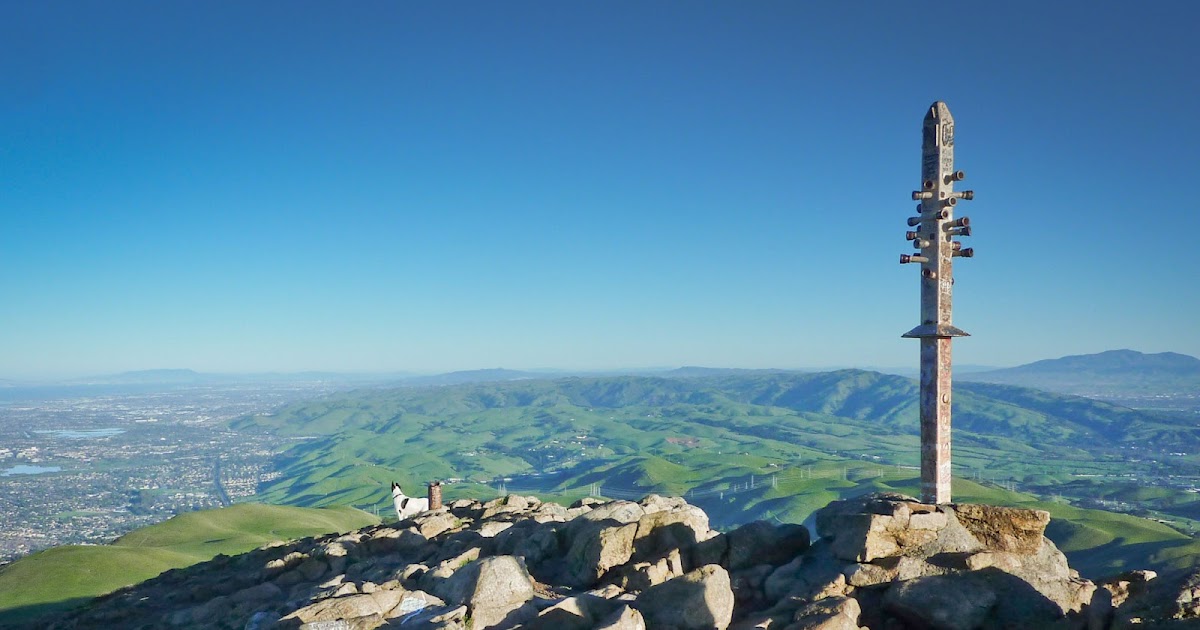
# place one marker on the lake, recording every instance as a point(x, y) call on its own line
point(82, 434)
point(23, 469)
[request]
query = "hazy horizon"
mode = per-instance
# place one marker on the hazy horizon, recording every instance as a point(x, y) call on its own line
point(547, 370)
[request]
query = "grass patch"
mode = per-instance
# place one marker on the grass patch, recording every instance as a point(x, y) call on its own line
point(56, 579)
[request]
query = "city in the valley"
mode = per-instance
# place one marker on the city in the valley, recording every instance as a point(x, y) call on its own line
point(86, 464)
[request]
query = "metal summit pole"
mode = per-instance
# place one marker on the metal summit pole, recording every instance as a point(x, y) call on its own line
point(933, 237)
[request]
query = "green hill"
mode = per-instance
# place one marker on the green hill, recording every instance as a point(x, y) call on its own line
point(362, 440)
point(749, 445)
point(63, 576)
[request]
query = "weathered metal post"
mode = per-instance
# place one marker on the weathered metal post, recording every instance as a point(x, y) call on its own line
point(435, 495)
point(933, 237)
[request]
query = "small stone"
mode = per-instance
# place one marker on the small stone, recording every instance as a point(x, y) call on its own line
point(624, 618)
point(831, 613)
point(491, 528)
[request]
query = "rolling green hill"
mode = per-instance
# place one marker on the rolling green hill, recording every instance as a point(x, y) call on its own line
point(63, 576)
point(741, 445)
point(774, 445)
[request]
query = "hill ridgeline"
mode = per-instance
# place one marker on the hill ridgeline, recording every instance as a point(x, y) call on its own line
point(1113, 373)
point(882, 561)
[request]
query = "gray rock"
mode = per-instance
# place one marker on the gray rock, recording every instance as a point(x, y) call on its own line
point(668, 528)
point(700, 599)
point(491, 528)
point(831, 613)
point(508, 505)
point(365, 622)
point(942, 602)
point(550, 513)
point(748, 584)
point(637, 577)
point(439, 617)
point(386, 600)
point(492, 588)
point(312, 569)
point(715, 550)
point(597, 548)
point(333, 609)
point(335, 549)
point(435, 579)
point(1112, 593)
point(413, 602)
point(1170, 598)
point(619, 511)
point(812, 576)
point(763, 543)
point(288, 561)
point(880, 526)
point(260, 593)
point(624, 618)
point(652, 503)
point(542, 543)
point(1003, 528)
point(431, 524)
point(581, 612)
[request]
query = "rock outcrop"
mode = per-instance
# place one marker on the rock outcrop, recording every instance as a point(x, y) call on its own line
point(882, 561)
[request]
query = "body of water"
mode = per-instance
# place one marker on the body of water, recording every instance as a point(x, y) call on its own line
point(23, 469)
point(82, 434)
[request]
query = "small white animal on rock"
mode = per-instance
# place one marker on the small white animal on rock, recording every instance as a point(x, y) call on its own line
point(407, 506)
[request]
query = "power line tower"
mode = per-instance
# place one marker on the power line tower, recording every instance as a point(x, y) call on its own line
point(933, 238)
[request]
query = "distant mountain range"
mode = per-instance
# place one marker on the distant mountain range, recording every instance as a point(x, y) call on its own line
point(1111, 374)
point(1115, 374)
point(186, 377)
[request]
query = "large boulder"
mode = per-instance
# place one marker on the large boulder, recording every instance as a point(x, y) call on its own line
point(669, 527)
point(1004, 528)
point(493, 589)
point(942, 602)
point(700, 599)
point(596, 548)
point(887, 525)
point(997, 557)
point(763, 543)
point(1172, 600)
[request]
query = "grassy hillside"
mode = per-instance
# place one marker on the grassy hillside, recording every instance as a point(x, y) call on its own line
point(482, 432)
point(774, 445)
point(60, 577)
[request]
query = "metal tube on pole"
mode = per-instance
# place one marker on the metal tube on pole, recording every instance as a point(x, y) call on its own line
point(937, 248)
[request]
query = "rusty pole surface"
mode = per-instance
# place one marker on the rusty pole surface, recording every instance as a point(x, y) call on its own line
point(435, 495)
point(933, 238)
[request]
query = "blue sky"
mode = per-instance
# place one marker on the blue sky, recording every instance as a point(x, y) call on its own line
point(232, 186)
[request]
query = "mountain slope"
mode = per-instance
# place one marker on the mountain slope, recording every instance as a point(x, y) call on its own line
point(1111, 373)
point(716, 432)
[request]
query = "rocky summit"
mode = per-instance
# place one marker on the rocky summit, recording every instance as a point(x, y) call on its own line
point(882, 561)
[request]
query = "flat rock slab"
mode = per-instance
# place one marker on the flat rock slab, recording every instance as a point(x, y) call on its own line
point(1004, 528)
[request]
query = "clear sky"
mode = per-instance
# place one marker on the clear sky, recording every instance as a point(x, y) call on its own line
point(249, 186)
